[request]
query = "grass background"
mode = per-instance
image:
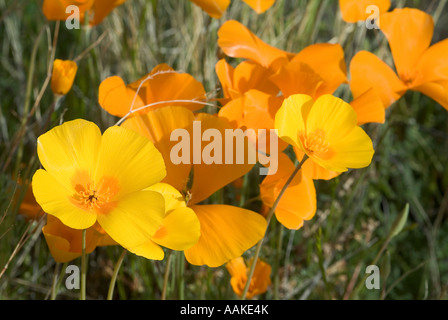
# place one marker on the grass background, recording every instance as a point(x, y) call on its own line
point(327, 258)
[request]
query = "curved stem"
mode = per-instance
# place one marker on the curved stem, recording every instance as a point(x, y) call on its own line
point(110, 293)
point(268, 219)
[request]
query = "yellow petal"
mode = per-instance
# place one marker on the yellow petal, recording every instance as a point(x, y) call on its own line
point(148, 250)
point(135, 218)
point(157, 126)
point(226, 233)
point(54, 199)
point(180, 229)
point(173, 198)
point(335, 116)
point(130, 159)
point(355, 150)
point(69, 147)
point(290, 118)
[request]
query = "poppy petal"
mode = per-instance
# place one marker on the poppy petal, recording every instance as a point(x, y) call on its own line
point(54, 199)
point(355, 10)
point(369, 108)
point(409, 32)
point(259, 6)
point(116, 98)
point(436, 90)
point(237, 41)
point(131, 159)
point(157, 126)
point(214, 8)
point(135, 218)
point(226, 233)
point(368, 71)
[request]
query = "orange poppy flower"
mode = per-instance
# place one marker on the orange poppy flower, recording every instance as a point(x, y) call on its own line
point(246, 76)
point(216, 8)
point(29, 208)
point(65, 243)
point(161, 84)
point(237, 41)
point(226, 231)
point(355, 10)
point(63, 75)
point(97, 9)
point(419, 66)
point(260, 280)
point(298, 202)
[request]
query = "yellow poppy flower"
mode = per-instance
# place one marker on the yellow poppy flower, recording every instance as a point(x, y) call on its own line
point(64, 72)
point(89, 177)
point(326, 130)
point(225, 231)
point(419, 65)
point(260, 280)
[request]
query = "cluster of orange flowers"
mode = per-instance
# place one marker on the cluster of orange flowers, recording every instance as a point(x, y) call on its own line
point(122, 187)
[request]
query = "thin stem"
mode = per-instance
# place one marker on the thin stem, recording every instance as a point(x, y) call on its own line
point(82, 293)
point(110, 293)
point(166, 276)
point(268, 219)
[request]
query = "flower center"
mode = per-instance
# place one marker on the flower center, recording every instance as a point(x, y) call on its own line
point(94, 196)
point(316, 142)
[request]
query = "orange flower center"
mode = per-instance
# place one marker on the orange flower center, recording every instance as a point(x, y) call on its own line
point(315, 142)
point(93, 196)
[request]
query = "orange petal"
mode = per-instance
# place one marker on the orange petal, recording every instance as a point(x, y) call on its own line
point(368, 71)
point(157, 126)
point(165, 84)
point(297, 77)
point(313, 170)
point(437, 90)
point(116, 98)
point(214, 8)
point(55, 9)
point(226, 233)
point(355, 10)
point(298, 203)
point(209, 178)
point(369, 108)
point(102, 9)
point(409, 32)
point(433, 64)
point(328, 61)
point(237, 41)
point(225, 71)
point(259, 6)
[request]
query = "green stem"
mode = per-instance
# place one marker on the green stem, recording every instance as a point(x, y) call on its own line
point(110, 293)
point(166, 276)
point(268, 219)
point(82, 293)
